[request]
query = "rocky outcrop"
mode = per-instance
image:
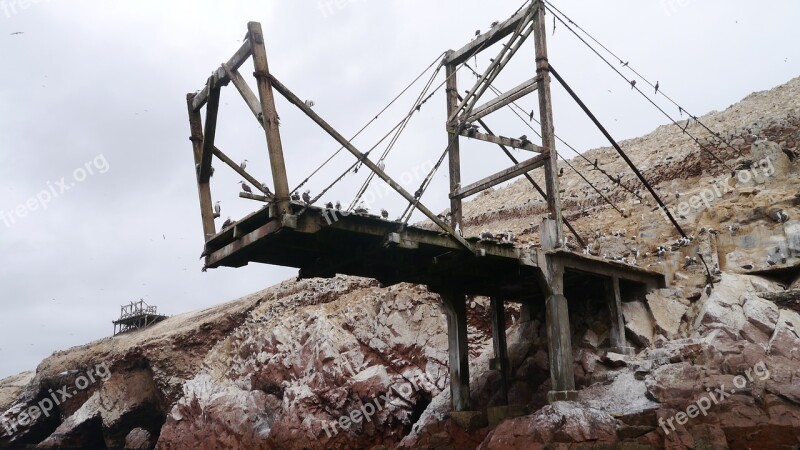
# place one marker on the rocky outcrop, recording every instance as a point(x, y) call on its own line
point(344, 363)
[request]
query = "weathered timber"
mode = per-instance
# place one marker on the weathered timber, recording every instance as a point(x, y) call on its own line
point(502, 176)
point(500, 345)
point(487, 39)
point(219, 75)
point(270, 117)
point(238, 169)
point(247, 94)
point(504, 99)
point(509, 142)
point(546, 114)
point(203, 188)
point(454, 154)
point(455, 306)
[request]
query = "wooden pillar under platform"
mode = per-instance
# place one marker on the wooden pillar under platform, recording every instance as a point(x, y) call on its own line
point(617, 332)
point(500, 361)
point(456, 307)
point(559, 333)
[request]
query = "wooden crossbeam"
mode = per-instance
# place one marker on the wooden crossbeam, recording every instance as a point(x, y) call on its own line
point(505, 175)
point(247, 94)
point(258, 198)
point(487, 39)
point(508, 142)
point(292, 98)
point(511, 96)
point(220, 76)
point(236, 167)
point(500, 61)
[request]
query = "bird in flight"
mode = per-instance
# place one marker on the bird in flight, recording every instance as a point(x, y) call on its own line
point(17, 33)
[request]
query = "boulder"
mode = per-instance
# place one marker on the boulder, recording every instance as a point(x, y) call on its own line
point(561, 422)
point(667, 313)
point(761, 313)
point(638, 323)
point(786, 340)
point(139, 439)
point(769, 162)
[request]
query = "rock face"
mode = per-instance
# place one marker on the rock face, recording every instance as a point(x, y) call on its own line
point(341, 363)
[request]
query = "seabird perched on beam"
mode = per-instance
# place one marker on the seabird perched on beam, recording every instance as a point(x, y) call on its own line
point(245, 187)
point(243, 165)
point(384, 213)
point(227, 223)
point(296, 197)
point(217, 209)
point(307, 197)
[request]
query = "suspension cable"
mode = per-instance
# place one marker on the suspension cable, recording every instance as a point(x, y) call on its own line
point(657, 87)
point(395, 99)
point(685, 129)
point(421, 99)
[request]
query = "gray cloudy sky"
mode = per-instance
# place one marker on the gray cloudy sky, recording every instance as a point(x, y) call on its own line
point(92, 93)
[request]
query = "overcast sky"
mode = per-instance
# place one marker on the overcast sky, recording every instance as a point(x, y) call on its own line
point(92, 99)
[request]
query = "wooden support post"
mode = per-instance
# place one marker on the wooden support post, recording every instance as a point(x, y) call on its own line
point(456, 307)
point(500, 346)
point(559, 334)
point(453, 143)
point(617, 332)
point(203, 188)
point(270, 118)
point(210, 135)
point(546, 114)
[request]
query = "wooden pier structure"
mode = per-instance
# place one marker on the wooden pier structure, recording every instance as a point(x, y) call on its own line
point(323, 242)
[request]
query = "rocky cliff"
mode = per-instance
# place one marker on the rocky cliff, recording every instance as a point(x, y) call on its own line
point(343, 363)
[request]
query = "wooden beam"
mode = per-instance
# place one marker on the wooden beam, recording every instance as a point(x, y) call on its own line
point(454, 154)
point(559, 334)
point(500, 346)
point(604, 267)
point(511, 96)
point(505, 175)
point(259, 198)
point(210, 134)
point(203, 188)
point(217, 257)
point(487, 39)
point(508, 142)
point(271, 121)
point(546, 115)
point(500, 61)
point(232, 164)
point(292, 98)
point(458, 350)
point(219, 75)
point(246, 93)
point(614, 302)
